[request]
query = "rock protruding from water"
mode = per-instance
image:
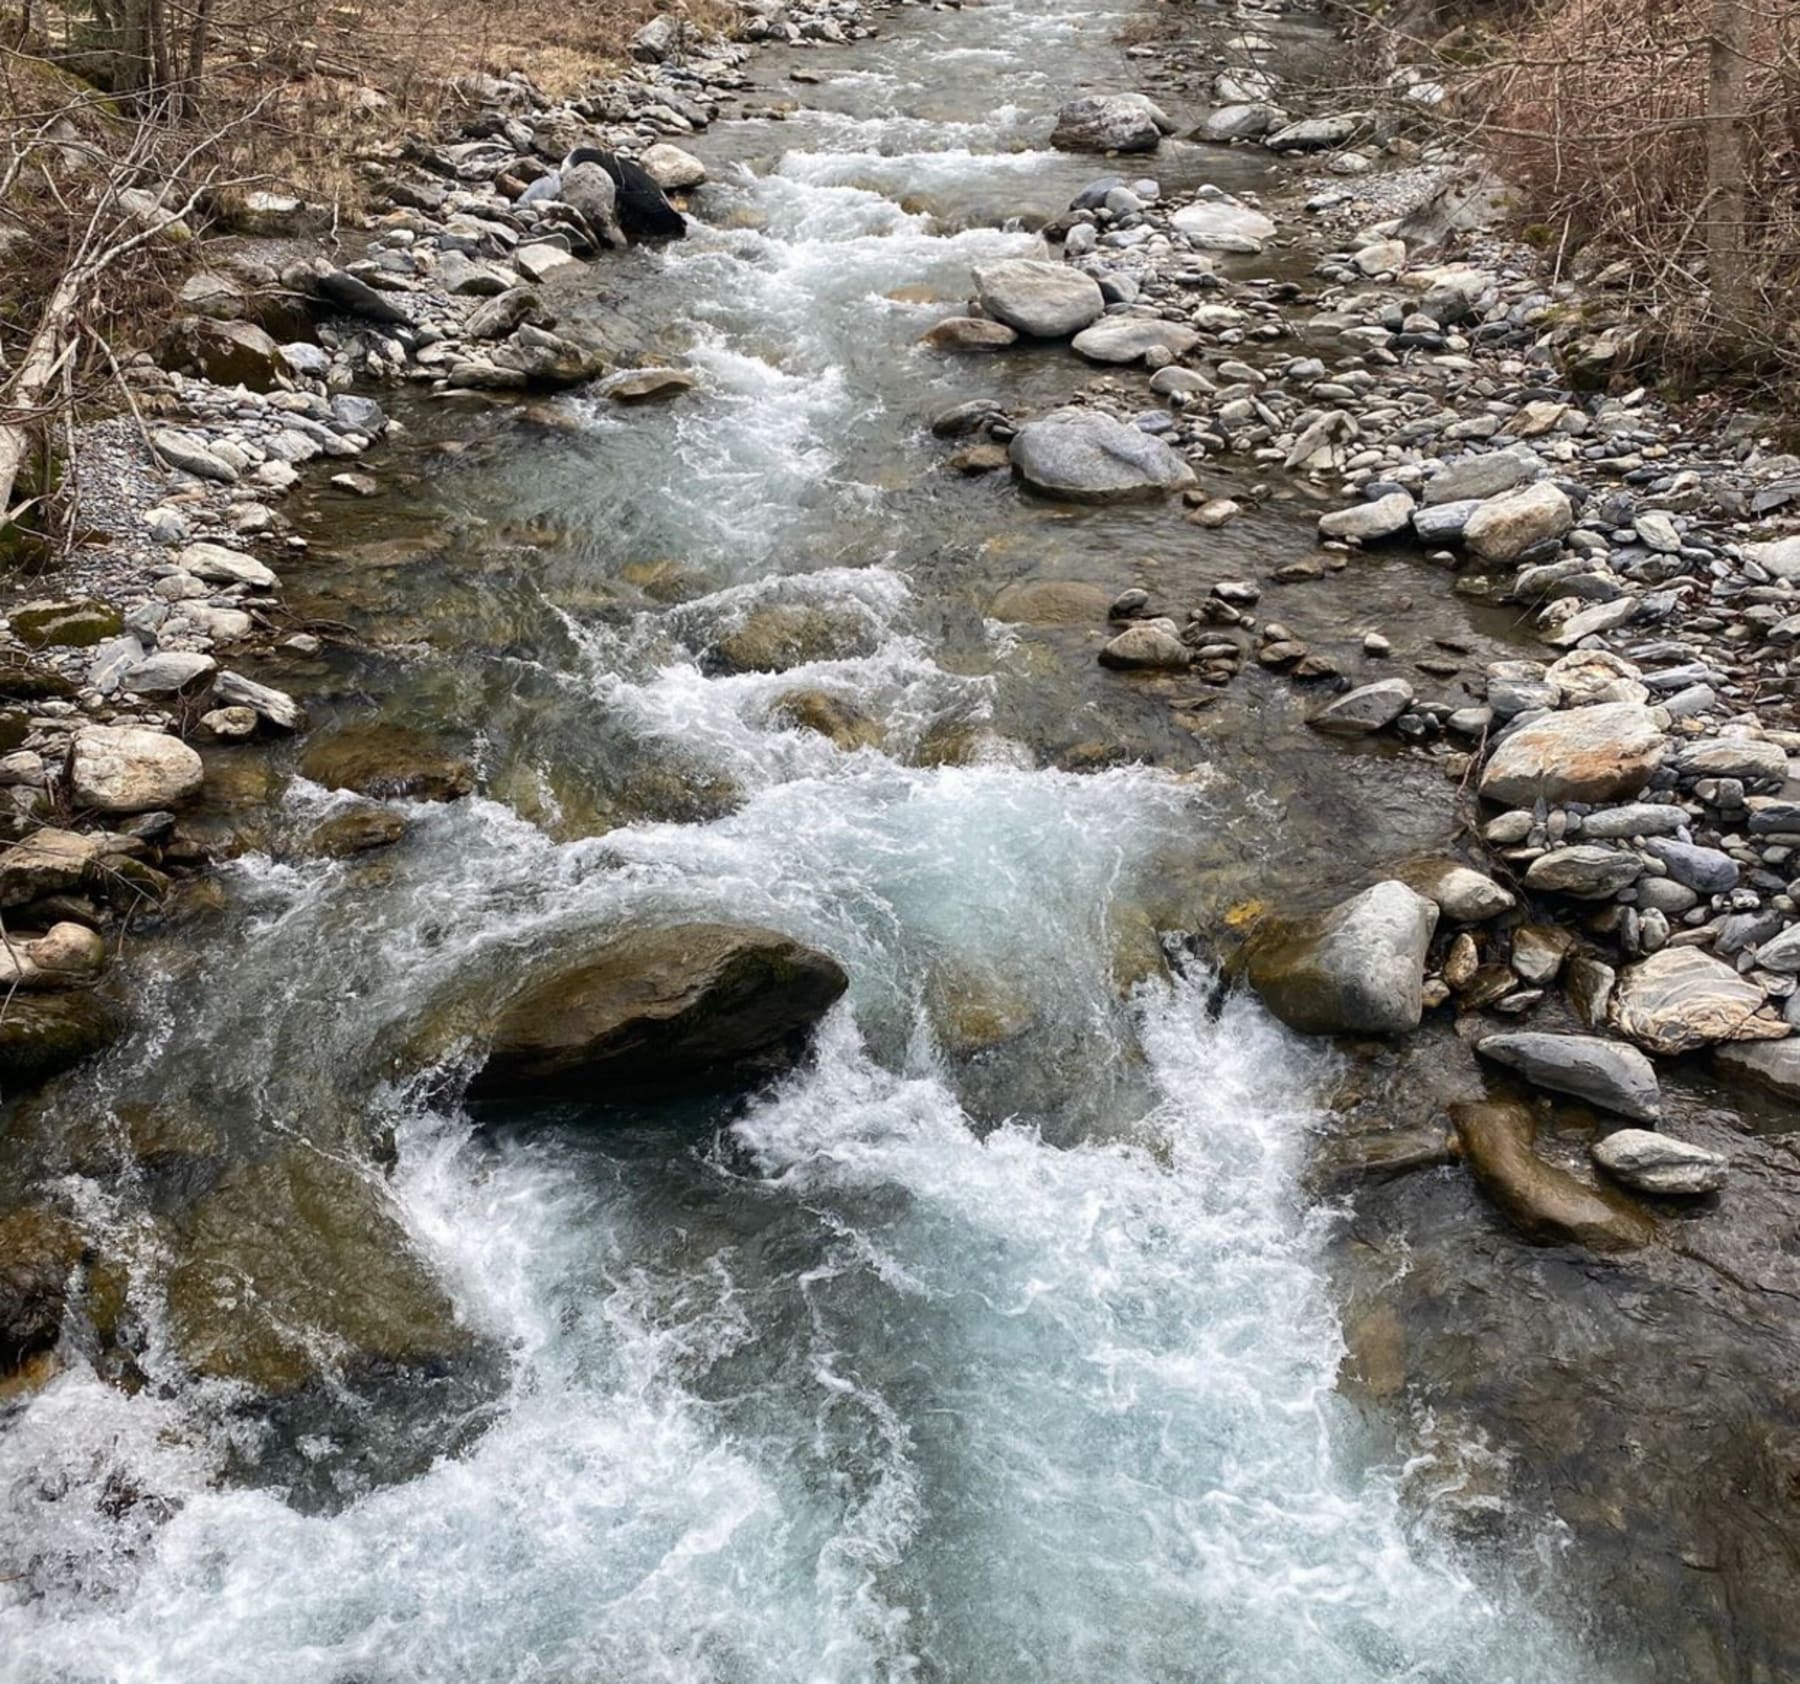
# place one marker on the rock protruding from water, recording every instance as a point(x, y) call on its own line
point(1082, 456)
point(1046, 300)
point(688, 1008)
point(1609, 1073)
point(1109, 123)
point(1648, 1162)
point(297, 1266)
point(1545, 1203)
point(1357, 969)
point(387, 762)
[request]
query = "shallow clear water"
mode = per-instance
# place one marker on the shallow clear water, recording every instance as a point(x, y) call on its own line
point(928, 1365)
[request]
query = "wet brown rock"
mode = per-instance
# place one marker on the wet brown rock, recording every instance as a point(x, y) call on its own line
point(1545, 1203)
point(688, 1008)
point(387, 762)
point(38, 1250)
point(830, 716)
point(41, 1035)
point(359, 831)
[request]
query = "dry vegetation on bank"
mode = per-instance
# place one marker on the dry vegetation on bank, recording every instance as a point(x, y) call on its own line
point(1656, 142)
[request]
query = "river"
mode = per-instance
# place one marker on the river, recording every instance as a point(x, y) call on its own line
point(988, 1358)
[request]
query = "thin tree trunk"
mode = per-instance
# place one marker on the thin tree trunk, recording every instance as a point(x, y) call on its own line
point(1727, 231)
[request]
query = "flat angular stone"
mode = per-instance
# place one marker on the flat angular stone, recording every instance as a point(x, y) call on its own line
point(1609, 1073)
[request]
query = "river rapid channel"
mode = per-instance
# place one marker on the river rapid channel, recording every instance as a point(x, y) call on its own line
point(998, 1343)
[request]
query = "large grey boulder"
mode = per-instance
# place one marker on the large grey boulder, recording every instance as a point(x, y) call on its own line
point(1367, 709)
point(1380, 517)
point(591, 191)
point(1681, 999)
point(1483, 476)
point(687, 1008)
point(1218, 222)
point(1609, 1073)
point(1083, 456)
point(1125, 339)
point(1047, 300)
point(1250, 120)
point(1648, 1162)
point(1597, 753)
point(1318, 134)
point(1146, 647)
point(1109, 123)
point(1357, 969)
point(1584, 871)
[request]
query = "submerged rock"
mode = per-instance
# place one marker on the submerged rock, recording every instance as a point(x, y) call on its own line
point(296, 1267)
point(1049, 602)
point(38, 1252)
point(1607, 1072)
point(1648, 1162)
point(1357, 969)
point(689, 1008)
point(1543, 1202)
point(1083, 456)
point(387, 762)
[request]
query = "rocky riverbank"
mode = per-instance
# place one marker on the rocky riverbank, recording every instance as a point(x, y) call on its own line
point(1521, 1006)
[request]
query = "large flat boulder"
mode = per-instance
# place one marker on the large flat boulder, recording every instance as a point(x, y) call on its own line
point(1082, 456)
point(1357, 969)
point(1545, 1203)
point(687, 1008)
point(1609, 1073)
point(1046, 300)
point(1125, 339)
point(1218, 222)
point(1503, 528)
point(1602, 753)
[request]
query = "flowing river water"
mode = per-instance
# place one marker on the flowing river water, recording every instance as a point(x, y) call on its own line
point(989, 1357)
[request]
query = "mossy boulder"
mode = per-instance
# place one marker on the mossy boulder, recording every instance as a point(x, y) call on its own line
point(779, 635)
point(360, 830)
point(295, 1268)
point(387, 762)
point(687, 1008)
point(42, 1035)
point(75, 625)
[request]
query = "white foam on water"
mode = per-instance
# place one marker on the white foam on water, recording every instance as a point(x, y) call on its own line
point(1002, 1407)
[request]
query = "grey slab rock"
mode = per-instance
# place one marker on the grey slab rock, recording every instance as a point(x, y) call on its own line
point(1584, 872)
point(1367, 709)
point(1383, 517)
point(1047, 300)
point(1612, 1074)
point(1482, 476)
point(1082, 456)
point(1707, 871)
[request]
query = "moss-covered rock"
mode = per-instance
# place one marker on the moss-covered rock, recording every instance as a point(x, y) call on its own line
point(42, 1035)
point(830, 716)
point(76, 625)
point(39, 1249)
